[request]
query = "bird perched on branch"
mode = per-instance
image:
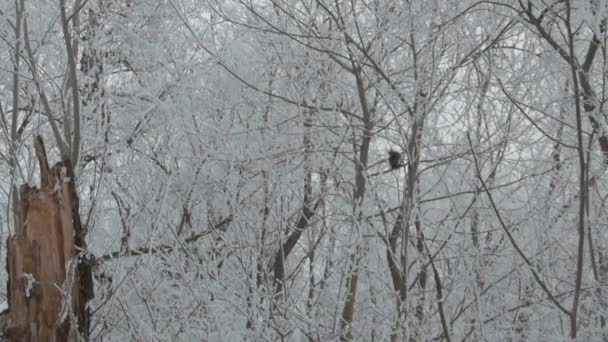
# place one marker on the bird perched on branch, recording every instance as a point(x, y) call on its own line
point(394, 159)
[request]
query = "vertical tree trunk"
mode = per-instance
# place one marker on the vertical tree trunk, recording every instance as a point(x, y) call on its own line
point(45, 301)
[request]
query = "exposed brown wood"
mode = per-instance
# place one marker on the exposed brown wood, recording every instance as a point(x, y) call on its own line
point(44, 294)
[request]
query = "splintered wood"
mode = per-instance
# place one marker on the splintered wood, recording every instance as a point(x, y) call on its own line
point(43, 294)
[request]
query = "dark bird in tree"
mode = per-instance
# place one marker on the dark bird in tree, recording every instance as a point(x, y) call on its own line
point(394, 159)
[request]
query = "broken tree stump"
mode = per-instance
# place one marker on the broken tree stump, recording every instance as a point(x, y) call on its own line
point(46, 299)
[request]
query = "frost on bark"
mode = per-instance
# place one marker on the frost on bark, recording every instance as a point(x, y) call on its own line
point(45, 300)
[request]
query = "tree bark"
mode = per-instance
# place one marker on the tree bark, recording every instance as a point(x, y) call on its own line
point(45, 299)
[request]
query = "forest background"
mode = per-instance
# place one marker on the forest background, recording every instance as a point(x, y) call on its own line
point(230, 158)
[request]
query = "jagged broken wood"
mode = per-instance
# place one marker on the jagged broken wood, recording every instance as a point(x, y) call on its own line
point(46, 299)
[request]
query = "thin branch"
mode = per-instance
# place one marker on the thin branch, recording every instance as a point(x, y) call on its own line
point(165, 248)
point(544, 287)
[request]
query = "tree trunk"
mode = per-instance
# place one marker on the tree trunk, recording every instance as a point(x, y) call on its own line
point(44, 293)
